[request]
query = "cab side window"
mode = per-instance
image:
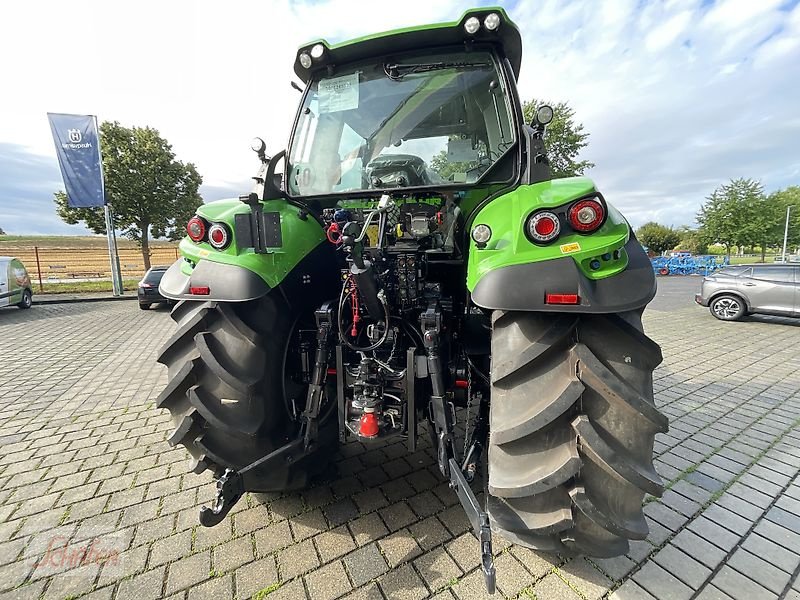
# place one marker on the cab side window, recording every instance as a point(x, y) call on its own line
point(777, 274)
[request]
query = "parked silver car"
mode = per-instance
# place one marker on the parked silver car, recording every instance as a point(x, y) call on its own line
point(746, 289)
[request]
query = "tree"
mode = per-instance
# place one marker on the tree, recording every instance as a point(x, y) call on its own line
point(151, 193)
point(563, 139)
point(782, 199)
point(693, 240)
point(2, 232)
point(737, 214)
point(657, 237)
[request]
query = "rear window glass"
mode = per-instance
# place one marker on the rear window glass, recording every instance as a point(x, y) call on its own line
point(731, 272)
point(154, 276)
point(782, 274)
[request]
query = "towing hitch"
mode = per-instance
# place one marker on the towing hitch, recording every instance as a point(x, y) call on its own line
point(479, 521)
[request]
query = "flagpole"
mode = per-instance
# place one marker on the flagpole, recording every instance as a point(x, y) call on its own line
point(113, 255)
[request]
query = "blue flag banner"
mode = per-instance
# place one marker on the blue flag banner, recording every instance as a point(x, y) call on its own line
point(78, 149)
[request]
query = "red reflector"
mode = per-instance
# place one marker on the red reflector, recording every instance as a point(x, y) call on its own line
point(462, 384)
point(202, 290)
point(561, 299)
point(545, 226)
point(331, 371)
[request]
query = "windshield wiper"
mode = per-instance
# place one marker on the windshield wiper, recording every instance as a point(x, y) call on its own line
point(397, 71)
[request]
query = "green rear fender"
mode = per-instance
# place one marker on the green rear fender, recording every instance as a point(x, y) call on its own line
point(238, 273)
point(300, 237)
point(506, 216)
point(602, 272)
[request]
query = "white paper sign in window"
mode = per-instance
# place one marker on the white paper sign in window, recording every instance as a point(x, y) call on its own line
point(338, 93)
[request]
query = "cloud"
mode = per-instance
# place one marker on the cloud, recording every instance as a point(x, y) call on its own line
point(678, 96)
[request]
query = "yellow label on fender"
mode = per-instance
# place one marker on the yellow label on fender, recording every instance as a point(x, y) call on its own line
point(203, 253)
point(569, 248)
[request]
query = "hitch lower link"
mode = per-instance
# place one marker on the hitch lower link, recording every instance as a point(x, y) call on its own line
point(231, 484)
point(443, 418)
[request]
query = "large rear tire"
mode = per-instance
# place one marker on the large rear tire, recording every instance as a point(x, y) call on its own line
point(229, 394)
point(572, 423)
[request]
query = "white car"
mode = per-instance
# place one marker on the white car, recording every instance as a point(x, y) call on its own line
point(15, 284)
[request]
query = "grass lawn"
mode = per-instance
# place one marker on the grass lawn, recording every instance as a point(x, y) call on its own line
point(77, 287)
point(74, 241)
point(749, 260)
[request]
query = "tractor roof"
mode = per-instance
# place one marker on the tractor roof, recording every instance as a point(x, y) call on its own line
point(506, 36)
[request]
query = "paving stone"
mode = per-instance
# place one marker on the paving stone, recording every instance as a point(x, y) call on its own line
point(714, 533)
point(780, 557)
point(146, 586)
point(170, 548)
point(430, 533)
point(784, 518)
point(297, 559)
point(616, 568)
point(365, 564)
point(553, 587)
point(403, 584)
point(368, 592)
point(730, 520)
point(219, 588)
point(397, 516)
point(273, 538)
point(585, 578)
point(682, 566)
point(737, 585)
point(340, 512)
point(399, 547)
point(308, 524)
point(512, 577)
point(437, 568)
point(711, 592)
point(328, 583)
point(759, 570)
point(367, 528)
point(255, 576)
point(230, 555)
point(661, 584)
point(334, 543)
point(188, 571)
point(293, 590)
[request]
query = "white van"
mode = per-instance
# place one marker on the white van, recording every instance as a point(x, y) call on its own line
point(15, 285)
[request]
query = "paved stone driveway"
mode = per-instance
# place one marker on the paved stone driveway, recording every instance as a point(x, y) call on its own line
point(82, 457)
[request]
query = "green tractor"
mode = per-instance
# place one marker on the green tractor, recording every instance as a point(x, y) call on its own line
point(410, 253)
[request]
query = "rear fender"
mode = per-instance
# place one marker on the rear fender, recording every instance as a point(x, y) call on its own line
point(608, 269)
point(297, 257)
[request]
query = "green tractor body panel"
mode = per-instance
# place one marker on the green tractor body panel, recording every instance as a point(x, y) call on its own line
point(506, 215)
point(300, 237)
point(412, 38)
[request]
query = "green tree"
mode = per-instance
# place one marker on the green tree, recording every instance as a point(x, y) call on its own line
point(783, 199)
point(693, 240)
point(737, 214)
point(564, 139)
point(152, 193)
point(657, 237)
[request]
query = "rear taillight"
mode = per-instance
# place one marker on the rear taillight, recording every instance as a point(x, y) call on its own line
point(219, 236)
point(586, 215)
point(561, 299)
point(196, 228)
point(543, 227)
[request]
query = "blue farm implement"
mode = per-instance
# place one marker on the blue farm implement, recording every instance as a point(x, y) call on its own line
point(688, 265)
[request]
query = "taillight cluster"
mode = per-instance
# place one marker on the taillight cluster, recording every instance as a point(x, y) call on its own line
point(217, 234)
point(584, 216)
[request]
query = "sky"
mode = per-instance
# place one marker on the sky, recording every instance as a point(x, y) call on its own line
point(679, 96)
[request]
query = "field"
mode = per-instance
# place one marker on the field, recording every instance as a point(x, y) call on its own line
point(81, 263)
